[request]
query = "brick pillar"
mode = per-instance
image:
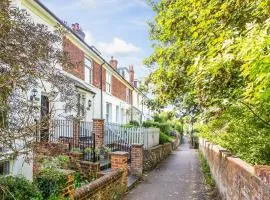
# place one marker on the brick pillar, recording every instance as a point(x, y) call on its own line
point(98, 130)
point(137, 159)
point(76, 133)
point(119, 160)
point(69, 190)
point(89, 170)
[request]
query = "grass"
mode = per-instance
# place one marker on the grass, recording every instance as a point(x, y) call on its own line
point(209, 181)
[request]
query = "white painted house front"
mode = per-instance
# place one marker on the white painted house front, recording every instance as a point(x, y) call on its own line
point(104, 90)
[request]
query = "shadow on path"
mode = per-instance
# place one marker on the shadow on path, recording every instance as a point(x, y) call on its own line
point(178, 178)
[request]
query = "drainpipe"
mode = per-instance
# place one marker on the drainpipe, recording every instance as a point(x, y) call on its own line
point(101, 92)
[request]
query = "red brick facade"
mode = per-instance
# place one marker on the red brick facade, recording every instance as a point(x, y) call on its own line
point(76, 57)
point(96, 76)
point(118, 89)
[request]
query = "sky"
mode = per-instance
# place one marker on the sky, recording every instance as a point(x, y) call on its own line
point(115, 27)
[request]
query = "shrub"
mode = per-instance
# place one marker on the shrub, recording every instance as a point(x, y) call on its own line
point(164, 127)
point(59, 162)
point(51, 182)
point(149, 123)
point(13, 187)
point(134, 123)
point(163, 138)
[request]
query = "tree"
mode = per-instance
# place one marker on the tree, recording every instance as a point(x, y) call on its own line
point(31, 56)
point(214, 56)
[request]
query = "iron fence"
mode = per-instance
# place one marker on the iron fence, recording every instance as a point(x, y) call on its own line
point(79, 137)
point(76, 134)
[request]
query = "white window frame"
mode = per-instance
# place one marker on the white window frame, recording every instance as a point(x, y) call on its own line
point(108, 82)
point(88, 65)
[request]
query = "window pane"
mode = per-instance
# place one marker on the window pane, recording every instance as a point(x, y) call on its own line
point(4, 168)
point(88, 63)
point(87, 75)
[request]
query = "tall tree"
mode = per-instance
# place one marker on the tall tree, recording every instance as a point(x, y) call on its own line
point(30, 56)
point(214, 56)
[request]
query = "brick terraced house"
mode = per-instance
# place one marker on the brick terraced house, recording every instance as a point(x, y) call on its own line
point(104, 90)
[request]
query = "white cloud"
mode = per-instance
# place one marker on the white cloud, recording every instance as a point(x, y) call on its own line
point(89, 39)
point(118, 47)
point(86, 3)
point(126, 53)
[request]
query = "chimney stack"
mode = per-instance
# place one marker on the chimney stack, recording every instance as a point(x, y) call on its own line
point(131, 74)
point(113, 63)
point(76, 28)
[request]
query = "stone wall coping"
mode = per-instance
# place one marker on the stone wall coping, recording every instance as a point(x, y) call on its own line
point(154, 148)
point(119, 153)
point(89, 163)
point(75, 153)
point(225, 153)
point(91, 187)
point(137, 145)
point(66, 171)
point(95, 119)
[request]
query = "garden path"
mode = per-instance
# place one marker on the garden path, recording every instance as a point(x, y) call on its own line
point(177, 178)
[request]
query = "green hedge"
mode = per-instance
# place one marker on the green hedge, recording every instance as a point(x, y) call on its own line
point(51, 182)
point(13, 187)
point(163, 138)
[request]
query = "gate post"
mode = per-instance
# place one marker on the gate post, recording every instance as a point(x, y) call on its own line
point(98, 130)
point(76, 133)
point(119, 160)
point(137, 160)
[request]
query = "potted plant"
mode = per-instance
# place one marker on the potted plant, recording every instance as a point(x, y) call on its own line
point(97, 151)
point(107, 151)
point(75, 150)
point(87, 153)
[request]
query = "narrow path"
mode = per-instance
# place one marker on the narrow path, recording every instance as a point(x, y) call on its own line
point(177, 178)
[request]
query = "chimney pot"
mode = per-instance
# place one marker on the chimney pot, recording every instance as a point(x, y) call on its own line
point(131, 74)
point(76, 28)
point(113, 62)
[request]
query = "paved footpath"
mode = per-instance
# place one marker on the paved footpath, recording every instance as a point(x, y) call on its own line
point(177, 178)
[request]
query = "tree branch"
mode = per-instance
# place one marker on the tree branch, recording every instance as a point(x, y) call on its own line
point(255, 114)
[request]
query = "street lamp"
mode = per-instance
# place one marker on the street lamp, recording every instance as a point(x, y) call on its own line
point(33, 94)
point(89, 104)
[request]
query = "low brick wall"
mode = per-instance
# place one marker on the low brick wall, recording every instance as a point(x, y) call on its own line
point(236, 179)
point(154, 155)
point(110, 186)
point(46, 149)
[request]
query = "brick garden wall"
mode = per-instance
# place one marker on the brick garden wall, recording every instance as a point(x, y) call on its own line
point(109, 186)
point(154, 155)
point(235, 178)
point(47, 149)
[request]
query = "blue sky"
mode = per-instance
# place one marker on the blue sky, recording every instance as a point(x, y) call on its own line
point(116, 27)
